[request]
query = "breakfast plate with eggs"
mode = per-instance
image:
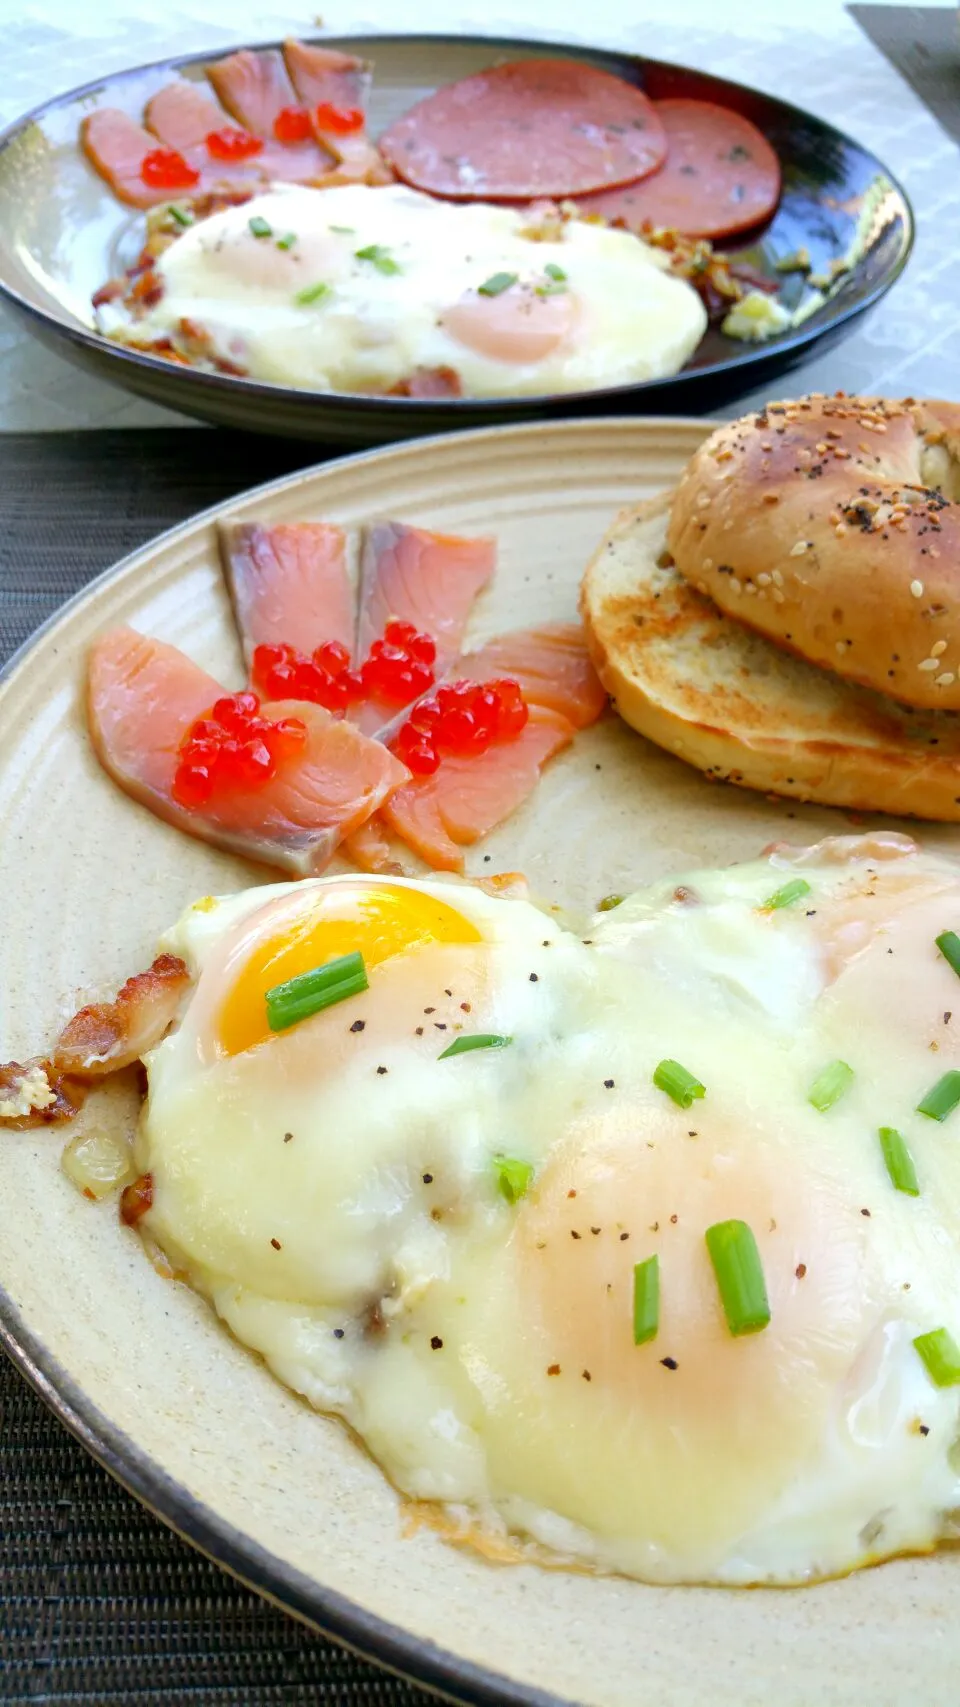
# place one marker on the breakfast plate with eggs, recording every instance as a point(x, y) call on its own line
point(603, 1189)
point(370, 238)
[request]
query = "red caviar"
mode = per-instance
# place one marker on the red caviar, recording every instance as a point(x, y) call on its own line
point(292, 124)
point(233, 144)
point(460, 719)
point(324, 678)
point(338, 120)
point(165, 169)
point(400, 666)
point(233, 747)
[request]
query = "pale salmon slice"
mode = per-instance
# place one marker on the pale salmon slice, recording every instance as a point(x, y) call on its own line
point(116, 147)
point(322, 76)
point(142, 695)
point(429, 579)
point(551, 665)
point(182, 115)
point(289, 584)
point(370, 848)
point(254, 88)
point(439, 815)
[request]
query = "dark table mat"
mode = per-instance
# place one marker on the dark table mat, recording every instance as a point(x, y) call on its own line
point(98, 1601)
point(923, 44)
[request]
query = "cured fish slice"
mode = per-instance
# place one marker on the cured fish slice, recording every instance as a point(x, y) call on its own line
point(142, 695)
point(182, 115)
point(550, 663)
point(289, 584)
point(370, 848)
point(254, 88)
point(439, 815)
point(116, 147)
point(409, 574)
point(323, 77)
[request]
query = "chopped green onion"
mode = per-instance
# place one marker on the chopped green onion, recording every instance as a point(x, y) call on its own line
point(554, 272)
point(478, 1040)
point(260, 227)
point(513, 1176)
point(830, 1085)
point(942, 1099)
point(786, 896)
point(310, 992)
point(182, 215)
point(381, 258)
point(497, 283)
point(609, 902)
point(646, 1300)
point(669, 1076)
point(551, 290)
point(948, 943)
point(287, 241)
point(941, 1355)
point(899, 1161)
point(312, 293)
point(739, 1271)
point(344, 230)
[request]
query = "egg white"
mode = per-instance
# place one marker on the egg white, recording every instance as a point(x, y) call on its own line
point(483, 1349)
point(623, 317)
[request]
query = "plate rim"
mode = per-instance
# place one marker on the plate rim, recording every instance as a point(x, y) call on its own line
point(398, 409)
point(415, 1658)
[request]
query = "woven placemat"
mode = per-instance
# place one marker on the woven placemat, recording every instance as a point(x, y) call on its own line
point(98, 1601)
point(923, 44)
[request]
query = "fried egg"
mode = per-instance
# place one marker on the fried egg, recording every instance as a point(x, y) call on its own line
point(441, 1247)
point(358, 288)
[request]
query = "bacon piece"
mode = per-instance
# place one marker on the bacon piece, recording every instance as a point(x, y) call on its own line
point(289, 584)
point(141, 698)
point(105, 1036)
point(101, 1038)
point(439, 815)
point(429, 382)
point(135, 1199)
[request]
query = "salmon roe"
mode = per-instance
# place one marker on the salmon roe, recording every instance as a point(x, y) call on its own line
point(233, 748)
point(459, 720)
point(340, 121)
point(323, 677)
point(233, 144)
point(400, 666)
point(165, 169)
point(292, 124)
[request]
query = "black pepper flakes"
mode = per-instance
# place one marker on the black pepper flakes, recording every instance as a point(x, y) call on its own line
point(358, 1025)
point(465, 1007)
point(573, 1233)
point(338, 1333)
point(533, 978)
point(624, 1236)
point(669, 1363)
point(436, 1343)
point(553, 1369)
point(585, 1373)
point(276, 1244)
point(924, 1428)
point(288, 1137)
point(427, 1179)
point(381, 1070)
point(865, 1212)
point(419, 1031)
point(608, 1084)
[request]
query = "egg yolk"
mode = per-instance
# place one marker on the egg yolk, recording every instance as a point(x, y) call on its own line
point(516, 326)
point(378, 920)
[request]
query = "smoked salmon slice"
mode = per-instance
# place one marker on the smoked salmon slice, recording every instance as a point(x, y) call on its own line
point(439, 815)
point(370, 849)
point(289, 584)
point(550, 663)
point(182, 115)
point(142, 695)
point(116, 147)
point(408, 574)
point(254, 88)
point(324, 77)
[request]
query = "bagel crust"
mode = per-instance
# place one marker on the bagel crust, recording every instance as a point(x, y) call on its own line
point(830, 525)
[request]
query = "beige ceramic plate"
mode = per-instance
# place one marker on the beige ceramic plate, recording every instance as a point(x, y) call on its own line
point(140, 1369)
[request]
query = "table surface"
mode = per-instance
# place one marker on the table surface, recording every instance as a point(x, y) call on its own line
point(815, 55)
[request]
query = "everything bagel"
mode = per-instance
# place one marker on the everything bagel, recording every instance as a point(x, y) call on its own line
point(831, 525)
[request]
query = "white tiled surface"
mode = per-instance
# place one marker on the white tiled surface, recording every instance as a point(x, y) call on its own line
point(814, 55)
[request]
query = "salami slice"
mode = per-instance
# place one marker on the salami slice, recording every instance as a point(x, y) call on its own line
point(720, 176)
point(533, 127)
